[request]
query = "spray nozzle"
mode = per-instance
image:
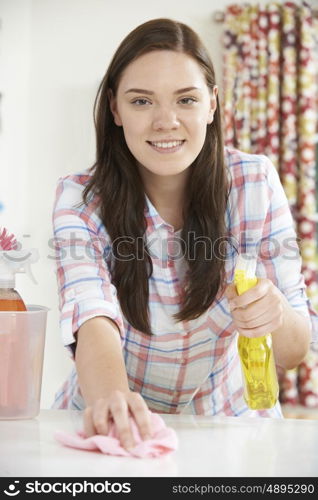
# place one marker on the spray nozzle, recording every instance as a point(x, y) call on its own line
point(244, 275)
point(16, 261)
point(246, 262)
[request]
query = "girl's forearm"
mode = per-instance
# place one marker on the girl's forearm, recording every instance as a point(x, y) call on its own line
point(99, 360)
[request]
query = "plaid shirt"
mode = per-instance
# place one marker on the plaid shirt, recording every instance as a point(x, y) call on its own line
point(190, 366)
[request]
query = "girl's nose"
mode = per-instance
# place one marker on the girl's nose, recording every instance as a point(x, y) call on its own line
point(165, 119)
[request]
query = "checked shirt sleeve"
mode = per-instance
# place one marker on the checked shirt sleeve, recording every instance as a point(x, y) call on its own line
point(278, 250)
point(81, 243)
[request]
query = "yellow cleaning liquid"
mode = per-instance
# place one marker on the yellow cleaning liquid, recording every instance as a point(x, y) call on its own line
point(256, 354)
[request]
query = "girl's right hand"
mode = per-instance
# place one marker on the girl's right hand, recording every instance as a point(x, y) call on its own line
point(118, 407)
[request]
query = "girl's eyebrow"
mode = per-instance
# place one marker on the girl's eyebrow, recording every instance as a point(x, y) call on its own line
point(150, 92)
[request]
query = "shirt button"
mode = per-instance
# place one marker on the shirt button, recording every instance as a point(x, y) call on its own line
point(184, 361)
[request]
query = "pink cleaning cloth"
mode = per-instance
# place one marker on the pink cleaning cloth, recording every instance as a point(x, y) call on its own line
point(163, 441)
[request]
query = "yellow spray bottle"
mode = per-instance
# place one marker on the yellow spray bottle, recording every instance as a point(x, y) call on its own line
point(256, 354)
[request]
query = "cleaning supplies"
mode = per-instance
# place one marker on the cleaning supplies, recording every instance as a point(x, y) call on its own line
point(14, 331)
point(256, 354)
point(13, 261)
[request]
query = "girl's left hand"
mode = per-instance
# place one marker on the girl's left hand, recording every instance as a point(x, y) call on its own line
point(257, 311)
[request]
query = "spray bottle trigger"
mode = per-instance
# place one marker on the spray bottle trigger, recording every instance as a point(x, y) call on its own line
point(30, 258)
point(33, 258)
point(29, 273)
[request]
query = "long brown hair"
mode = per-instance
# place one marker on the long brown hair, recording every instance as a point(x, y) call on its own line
point(117, 183)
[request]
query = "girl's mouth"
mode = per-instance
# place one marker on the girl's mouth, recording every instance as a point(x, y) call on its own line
point(166, 146)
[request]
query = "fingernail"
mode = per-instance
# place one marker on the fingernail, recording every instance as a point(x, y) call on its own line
point(128, 445)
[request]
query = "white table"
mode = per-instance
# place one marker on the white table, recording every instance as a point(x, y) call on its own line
point(208, 447)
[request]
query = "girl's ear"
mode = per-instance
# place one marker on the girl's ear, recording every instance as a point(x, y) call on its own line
point(213, 104)
point(113, 108)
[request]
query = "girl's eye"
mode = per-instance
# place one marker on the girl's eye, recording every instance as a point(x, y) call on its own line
point(187, 100)
point(140, 102)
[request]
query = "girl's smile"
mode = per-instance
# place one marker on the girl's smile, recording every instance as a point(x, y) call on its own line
point(166, 146)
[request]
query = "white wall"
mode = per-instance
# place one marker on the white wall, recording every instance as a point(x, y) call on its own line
point(14, 87)
point(53, 56)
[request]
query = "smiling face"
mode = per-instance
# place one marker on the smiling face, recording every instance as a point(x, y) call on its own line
point(164, 106)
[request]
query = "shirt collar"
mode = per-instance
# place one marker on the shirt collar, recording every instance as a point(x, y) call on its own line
point(154, 220)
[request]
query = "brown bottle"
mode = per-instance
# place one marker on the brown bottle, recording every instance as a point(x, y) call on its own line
point(10, 300)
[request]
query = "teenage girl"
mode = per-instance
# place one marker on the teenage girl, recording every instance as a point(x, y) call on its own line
point(147, 240)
